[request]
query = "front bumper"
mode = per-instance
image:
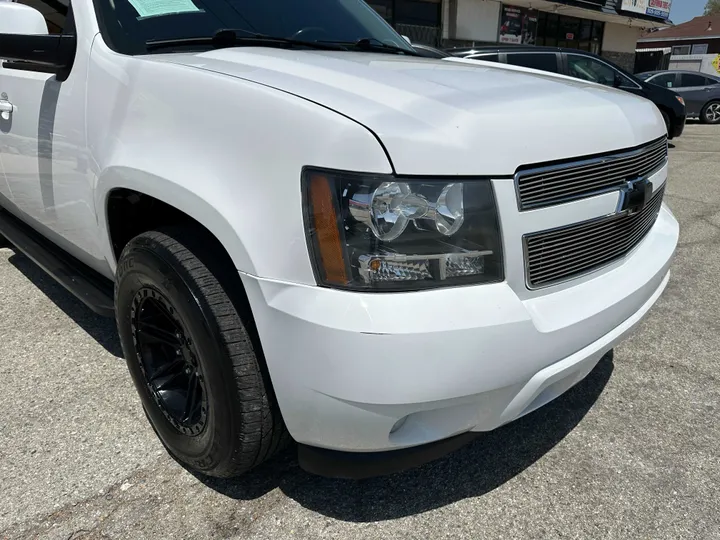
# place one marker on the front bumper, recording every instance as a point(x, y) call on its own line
point(348, 368)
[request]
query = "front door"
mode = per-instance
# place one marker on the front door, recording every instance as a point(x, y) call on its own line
point(42, 146)
point(694, 89)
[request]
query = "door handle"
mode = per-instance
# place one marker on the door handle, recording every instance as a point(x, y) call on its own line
point(6, 108)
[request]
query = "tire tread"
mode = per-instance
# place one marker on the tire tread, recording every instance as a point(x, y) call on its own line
point(262, 431)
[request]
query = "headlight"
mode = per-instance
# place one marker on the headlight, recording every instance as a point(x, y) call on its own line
point(376, 232)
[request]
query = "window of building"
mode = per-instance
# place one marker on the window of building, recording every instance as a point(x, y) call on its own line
point(699, 49)
point(518, 25)
point(562, 31)
point(383, 7)
point(54, 11)
point(412, 12)
point(690, 79)
point(541, 61)
point(681, 49)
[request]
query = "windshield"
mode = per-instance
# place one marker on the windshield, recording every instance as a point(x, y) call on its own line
point(128, 25)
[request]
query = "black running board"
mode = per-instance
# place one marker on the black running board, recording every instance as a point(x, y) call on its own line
point(90, 287)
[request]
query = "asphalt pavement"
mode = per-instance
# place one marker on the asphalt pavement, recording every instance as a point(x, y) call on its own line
point(631, 452)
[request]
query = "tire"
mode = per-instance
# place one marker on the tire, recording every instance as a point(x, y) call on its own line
point(711, 113)
point(230, 421)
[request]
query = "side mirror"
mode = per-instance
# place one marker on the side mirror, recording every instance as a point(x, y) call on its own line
point(617, 82)
point(26, 45)
point(21, 19)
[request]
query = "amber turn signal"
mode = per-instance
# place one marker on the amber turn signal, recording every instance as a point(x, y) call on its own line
point(325, 221)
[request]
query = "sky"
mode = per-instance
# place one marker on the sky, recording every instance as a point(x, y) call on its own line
point(684, 10)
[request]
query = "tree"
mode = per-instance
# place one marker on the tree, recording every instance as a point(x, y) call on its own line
point(712, 7)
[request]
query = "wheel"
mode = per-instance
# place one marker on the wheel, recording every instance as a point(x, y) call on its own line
point(668, 125)
point(711, 113)
point(187, 335)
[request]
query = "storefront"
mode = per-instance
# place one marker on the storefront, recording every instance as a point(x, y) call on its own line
point(607, 27)
point(420, 20)
point(529, 26)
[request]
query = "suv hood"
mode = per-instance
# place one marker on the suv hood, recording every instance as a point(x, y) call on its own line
point(449, 117)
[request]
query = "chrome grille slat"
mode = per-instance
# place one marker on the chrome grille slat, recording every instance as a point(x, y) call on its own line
point(554, 194)
point(590, 258)
point(609, 179)
point(528, 182)
point(550, 245)
point(640, 225)
point(618, 176)
point(561, 254)
point(554, 184)
point(560, 171)
point(590, 247)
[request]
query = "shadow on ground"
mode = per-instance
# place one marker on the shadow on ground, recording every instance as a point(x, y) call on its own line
point(102, 330)
point(490, 461)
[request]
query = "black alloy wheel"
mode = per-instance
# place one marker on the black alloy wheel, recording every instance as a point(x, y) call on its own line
point(189, 339)
point(168, 361)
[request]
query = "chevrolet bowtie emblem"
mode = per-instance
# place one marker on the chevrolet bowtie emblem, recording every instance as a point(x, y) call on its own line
point(634, 195)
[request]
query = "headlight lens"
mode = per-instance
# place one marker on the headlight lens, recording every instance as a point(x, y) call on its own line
point(375, 232)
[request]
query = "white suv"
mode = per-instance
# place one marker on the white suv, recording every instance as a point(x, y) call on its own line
point(313, 233)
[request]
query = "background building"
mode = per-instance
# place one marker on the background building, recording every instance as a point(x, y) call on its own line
point(607, 27)
point(692, 46)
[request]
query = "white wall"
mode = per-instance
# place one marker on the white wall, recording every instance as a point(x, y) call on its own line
point(705, 63)
point(620, 38)
point(478, 20)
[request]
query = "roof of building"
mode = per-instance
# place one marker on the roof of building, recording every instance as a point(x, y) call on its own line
point(706, 26)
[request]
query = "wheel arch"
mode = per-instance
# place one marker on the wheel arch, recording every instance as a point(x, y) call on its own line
point(182, 203)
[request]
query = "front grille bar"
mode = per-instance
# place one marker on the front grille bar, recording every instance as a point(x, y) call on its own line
point(565, 253)
point(543, 186)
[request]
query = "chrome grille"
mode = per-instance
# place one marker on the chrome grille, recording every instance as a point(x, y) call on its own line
point(555, 184)
point(568, 252)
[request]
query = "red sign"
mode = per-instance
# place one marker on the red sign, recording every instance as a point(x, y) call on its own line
point(570, 36)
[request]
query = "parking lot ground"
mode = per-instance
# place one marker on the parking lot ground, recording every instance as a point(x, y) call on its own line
point(631, 452)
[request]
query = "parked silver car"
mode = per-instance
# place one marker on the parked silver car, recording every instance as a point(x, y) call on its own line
point(700, 91)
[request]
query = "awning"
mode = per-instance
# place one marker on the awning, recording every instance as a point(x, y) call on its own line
point(665, 50)
point(604, 14)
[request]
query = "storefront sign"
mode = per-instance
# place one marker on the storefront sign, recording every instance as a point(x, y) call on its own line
point(654, 8)
point(518, 25)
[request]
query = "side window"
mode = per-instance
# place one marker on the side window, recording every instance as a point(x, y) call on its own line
point(690, 79)
point(485, 57)
point(625, 82)
point(542, 61)
point(54, 11)
point(589, 69)
point(667, 80)
point(710, 82)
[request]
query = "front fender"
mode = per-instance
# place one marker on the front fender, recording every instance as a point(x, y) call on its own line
point(226, 151)
point(177, 196)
